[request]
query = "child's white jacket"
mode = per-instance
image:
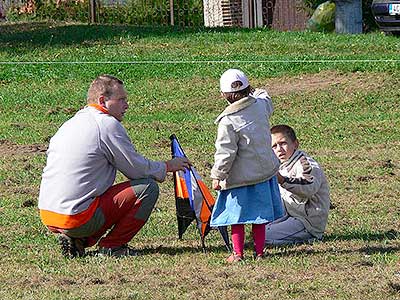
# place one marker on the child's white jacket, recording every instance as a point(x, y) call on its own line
point(243, 146)
point(305, 192)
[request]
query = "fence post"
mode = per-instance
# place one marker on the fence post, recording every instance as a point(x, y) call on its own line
point(93, 13)
point(171, 11)
point(251, 14)
point(2, 11)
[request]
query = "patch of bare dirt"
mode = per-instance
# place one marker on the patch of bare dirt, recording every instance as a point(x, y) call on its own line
point(349, 82)
point(10, 148)
point(67, 110)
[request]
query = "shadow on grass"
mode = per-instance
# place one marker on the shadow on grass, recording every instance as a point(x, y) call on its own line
point(181, 250)
point(26, 36)
point(296, 249)
point(290, 250)
point(362, 235)
point(172, 251)
point(293, 249)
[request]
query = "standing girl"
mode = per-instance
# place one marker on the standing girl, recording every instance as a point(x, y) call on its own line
point(245, 164)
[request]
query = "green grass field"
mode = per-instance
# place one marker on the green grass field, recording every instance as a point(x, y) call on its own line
point(341, 93)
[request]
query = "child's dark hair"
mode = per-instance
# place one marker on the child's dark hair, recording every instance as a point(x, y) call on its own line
point(285, 130)
point(235, 96)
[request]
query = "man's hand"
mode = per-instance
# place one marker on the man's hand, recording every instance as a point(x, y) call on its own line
point(178, 164)
point(215, 185)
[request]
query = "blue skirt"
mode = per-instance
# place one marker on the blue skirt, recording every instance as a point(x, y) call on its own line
point(253, 204)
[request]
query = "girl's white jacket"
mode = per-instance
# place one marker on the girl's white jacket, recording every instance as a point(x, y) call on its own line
point(243, 146)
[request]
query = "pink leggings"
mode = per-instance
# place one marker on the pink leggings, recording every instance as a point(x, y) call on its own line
point(258, 238)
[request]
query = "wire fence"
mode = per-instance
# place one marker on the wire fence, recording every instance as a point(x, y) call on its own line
point(277, 14)
point(182, 13)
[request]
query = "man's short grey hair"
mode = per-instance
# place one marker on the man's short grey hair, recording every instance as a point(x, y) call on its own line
point(104, 85)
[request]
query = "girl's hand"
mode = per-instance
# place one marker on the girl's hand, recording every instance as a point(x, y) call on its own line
point(215, 184)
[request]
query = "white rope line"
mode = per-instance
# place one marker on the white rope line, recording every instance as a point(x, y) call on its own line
point(199, 62)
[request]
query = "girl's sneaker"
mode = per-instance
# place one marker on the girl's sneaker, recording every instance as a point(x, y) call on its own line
point(233, 258)
point(259, 257)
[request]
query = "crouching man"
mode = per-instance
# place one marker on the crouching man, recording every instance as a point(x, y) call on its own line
point(77, 199)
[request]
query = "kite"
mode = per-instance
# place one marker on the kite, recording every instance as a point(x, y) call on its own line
point(193, 200)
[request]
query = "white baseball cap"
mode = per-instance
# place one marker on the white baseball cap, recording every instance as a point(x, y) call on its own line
point(229, 77)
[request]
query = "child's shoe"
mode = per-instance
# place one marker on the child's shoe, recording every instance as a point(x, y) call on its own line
point(233, 258)
point(120, 251)
point(259, 257)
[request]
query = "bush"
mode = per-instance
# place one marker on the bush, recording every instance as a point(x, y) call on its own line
point(369, 23)
point(323, 18)
point(368, 19)
point(61, 10)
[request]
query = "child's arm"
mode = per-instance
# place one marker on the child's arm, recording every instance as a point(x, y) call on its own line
point(307, 180)
point(226, 148)
point(260, 93)
point(263, 94)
